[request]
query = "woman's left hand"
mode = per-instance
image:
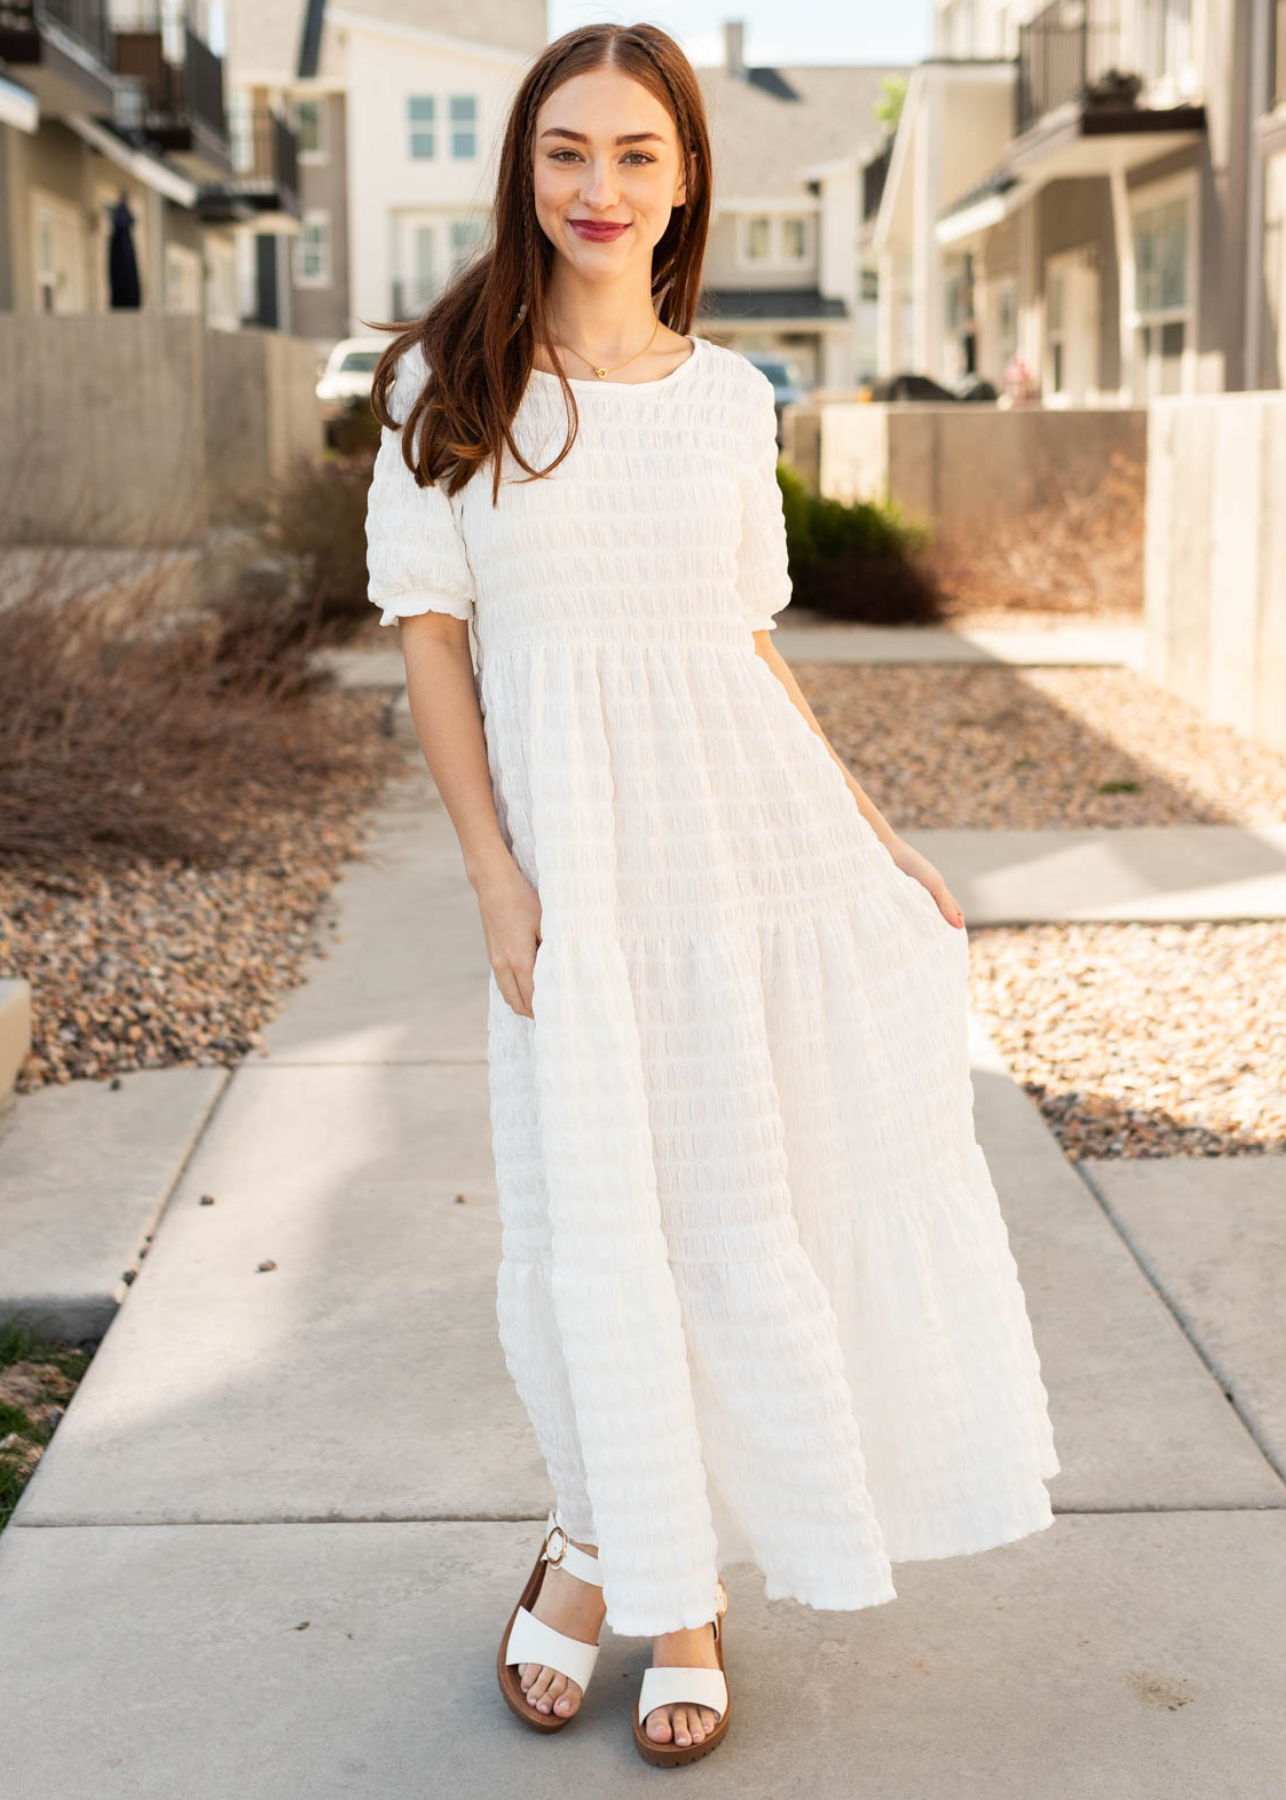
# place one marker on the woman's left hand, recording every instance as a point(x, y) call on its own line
point(913, 863)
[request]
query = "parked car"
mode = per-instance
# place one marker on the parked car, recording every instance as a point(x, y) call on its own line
point(786, 378)
point(924, 388)
point(347, 375)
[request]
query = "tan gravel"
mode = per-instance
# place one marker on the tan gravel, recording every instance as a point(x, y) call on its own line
point(992, 748)
point(1142, 1040)
point(164, 965)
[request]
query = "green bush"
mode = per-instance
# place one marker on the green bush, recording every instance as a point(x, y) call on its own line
point(855, 560)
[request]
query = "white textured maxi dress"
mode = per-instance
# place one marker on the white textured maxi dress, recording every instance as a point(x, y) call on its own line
point(756, 1292)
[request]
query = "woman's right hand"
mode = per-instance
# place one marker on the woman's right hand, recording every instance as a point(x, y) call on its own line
point(510, 908)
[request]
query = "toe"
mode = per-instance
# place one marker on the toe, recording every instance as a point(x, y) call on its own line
point(536, 1688)
point(567, 1702)
point(555, 1691)
point(658, 1725)
point(682, 1734)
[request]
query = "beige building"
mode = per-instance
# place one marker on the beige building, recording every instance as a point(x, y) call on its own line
point(98, 102)
point(1093, 191)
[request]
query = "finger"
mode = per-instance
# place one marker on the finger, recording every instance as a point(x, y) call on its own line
point(508, 985)
point(950, 907)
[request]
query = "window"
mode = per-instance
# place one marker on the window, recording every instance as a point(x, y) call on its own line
point(59, 255)
point(312, 250)
point(870, 287)
point(1162, 295)
point(464, 122)
point(420, 116)
point(465, 234)
point(182, 279)
point(1165, 46)
point(308, 123)
point(777, 240)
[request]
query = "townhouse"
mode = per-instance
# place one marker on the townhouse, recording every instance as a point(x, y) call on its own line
point(1089, 194)
point(110, 100)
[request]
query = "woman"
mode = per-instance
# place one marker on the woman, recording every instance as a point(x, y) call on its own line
point(755, 1292)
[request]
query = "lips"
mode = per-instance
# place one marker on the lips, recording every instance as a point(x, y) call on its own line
point(597, 232)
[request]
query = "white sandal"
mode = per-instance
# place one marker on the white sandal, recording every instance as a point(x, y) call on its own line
point(686, 1687)
point(528, 1639)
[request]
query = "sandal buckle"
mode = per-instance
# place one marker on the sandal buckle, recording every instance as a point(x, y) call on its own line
point(562, 1548)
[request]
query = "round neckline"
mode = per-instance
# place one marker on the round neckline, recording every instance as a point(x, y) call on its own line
point(594, 381)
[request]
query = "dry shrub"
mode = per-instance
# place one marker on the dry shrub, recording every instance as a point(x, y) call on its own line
point(133, 725)
point(1077, 553)
point(319, 519)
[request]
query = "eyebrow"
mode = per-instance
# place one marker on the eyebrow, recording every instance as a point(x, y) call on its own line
point(629, 137)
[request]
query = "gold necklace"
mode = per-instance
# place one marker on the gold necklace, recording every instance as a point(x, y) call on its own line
point(603, 373)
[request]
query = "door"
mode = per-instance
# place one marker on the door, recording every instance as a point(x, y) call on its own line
point(1071, 375)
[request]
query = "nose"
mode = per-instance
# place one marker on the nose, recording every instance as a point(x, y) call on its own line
point(600, 188)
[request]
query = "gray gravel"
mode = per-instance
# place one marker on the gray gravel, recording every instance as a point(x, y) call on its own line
point(995, 748)
point(1142, 1040)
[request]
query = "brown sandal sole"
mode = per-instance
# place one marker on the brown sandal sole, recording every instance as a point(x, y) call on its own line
point(507, 1673)
point(672, 1756)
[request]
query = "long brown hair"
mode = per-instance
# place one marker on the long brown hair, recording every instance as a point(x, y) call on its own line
point(479, 335)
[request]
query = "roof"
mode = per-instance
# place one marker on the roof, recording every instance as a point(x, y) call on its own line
point(828, 110)
point(741, 304)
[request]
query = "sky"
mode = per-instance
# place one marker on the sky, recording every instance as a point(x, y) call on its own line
point(776, 31)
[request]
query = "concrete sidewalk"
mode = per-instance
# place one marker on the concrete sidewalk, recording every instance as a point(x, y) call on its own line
point(272, 1545)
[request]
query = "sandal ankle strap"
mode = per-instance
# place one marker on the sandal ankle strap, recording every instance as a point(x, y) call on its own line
point(560, 1553)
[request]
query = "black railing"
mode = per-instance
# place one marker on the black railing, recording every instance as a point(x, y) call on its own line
point(86, 21)
point(164, 97)
point(874, 176)
point(203, 83)
point(269, 164)
point(1071, 50)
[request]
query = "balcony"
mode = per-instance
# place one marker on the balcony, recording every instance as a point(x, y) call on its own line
point(1083, 68)
point(61, 50)
point(264, 184)
point(171, 90)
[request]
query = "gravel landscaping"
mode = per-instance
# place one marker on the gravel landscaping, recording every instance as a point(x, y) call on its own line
point(994, 748)
point(1142, 1040)
point(161, 963)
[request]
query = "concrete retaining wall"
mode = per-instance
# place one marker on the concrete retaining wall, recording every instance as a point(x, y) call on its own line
point(957, 467)
point(1216, 558)
point(133, 429)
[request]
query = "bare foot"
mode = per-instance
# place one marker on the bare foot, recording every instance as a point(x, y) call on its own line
point(575, 1608)
point(682, 1650)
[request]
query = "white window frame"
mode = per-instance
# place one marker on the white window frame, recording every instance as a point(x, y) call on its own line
point(318, 216)
point(1187, 187)
point(776, 259)
point(322, 153)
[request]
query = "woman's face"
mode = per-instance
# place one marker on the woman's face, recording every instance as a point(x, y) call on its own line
point(607, 172)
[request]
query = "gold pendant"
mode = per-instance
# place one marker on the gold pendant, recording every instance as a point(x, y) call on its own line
point(601, 373)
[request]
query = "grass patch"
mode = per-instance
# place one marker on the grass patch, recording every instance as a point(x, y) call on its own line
point(38, 1377)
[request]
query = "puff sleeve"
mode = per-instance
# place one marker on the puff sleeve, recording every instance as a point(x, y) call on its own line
point(762, 579)
point(415, 554)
